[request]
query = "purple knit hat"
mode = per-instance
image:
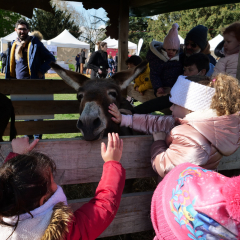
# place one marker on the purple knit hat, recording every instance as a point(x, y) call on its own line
point(194, 203)
point(172, 41)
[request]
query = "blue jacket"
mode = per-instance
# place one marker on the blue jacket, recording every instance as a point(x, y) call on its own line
point(39, 59)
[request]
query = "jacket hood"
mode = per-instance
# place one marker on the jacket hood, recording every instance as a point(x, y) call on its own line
point(221, 131)
point(156, 46)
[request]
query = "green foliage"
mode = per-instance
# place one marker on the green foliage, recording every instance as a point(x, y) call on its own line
point(51, 25)
point(215, 18)
point(7, 20)
point(138, 29)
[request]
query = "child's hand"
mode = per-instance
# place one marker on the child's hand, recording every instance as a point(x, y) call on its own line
point(159, 136)
point(160, 90)
point(113, 109)
point(22, 146)
point(113, 152)
point(136, 89)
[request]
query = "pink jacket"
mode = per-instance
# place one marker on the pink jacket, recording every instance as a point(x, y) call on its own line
point(227, 65)
point(201, 138)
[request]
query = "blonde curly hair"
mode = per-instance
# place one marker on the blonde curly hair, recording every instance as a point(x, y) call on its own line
point(226, 100)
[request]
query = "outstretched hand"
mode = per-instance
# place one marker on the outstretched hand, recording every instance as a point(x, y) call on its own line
point(22, 146)
point(113, 152)
point(113, 109)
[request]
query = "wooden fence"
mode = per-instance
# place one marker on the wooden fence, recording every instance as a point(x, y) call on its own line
point(79, 161)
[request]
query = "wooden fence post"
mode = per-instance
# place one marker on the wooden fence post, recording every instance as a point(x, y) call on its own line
point(123, 34)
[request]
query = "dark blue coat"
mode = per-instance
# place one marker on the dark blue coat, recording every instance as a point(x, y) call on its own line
point(39, 59)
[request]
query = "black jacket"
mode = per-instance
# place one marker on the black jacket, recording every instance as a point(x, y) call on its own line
point(98, 60)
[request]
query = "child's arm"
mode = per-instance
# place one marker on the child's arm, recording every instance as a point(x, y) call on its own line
point(94, 217)
point(21, 146)
point(220, 67)
point(145, 123)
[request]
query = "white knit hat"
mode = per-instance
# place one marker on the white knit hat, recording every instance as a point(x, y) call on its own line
point(191, 95)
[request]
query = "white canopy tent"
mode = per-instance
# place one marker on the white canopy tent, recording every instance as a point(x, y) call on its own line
point(112, 43)
point(181, 39)
point(66, 39)
point(215, 41)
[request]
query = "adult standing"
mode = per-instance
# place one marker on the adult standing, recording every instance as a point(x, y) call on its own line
point(3, 58)
point(77, 58)
point(98, 61)
point(116, 63)
point(88, 71)
point(27, 57)
point(82, 60)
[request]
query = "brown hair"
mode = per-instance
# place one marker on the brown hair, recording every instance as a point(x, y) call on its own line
point(235, 28)
point(101, 45)
point(24, 180)
point(226, 100)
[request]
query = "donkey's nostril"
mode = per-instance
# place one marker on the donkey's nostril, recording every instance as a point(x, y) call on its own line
point(96, 122)
point(79, 124)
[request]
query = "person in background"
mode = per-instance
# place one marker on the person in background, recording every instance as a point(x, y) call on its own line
point(196, 42)
point(228, 63)
point(204, 125)
point(116, 63)
point(164, 62)
point(82, 60)
point(142, 82)
point(88, 70)
point(33, 206)
point(195, 203)
point(77, 59)
point(27, 58)
point(3, 58)
point(98, 61)
point(110, 62)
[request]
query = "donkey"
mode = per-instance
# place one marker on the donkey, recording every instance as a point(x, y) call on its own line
point(7, 112)
point(95, 95)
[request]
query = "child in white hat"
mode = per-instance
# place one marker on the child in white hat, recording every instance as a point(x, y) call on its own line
point(203, 127)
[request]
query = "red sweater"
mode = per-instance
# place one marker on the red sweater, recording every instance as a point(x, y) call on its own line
point(94, 217)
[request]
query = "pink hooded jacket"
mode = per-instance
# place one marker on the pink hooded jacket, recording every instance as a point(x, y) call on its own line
point(227, 65)
point(201, 138)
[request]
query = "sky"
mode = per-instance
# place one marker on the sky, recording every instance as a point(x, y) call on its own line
point(98, 12)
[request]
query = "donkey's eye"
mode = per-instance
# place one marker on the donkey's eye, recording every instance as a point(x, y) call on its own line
point(79, 97)
point(113, 94)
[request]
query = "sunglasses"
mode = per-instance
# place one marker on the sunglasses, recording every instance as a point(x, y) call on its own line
point(193, 45)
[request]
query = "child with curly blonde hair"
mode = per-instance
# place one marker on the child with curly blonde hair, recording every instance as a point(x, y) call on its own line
point(228, 64)
point(203, 127)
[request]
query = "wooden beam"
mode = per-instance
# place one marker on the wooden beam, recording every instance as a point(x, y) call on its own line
point(34, 87)
point(80, 161)
point(44, 127)
point(45, 107)
point(139, 3)
point(123, 34)
point(130, 218)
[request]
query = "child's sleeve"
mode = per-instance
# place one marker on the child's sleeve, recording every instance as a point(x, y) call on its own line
point(96, 215)
point(182, 149)
point(10, 155)
point(149, 124)
point(220, 67)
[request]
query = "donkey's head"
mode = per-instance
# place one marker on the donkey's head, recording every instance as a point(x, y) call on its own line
point(95, 95)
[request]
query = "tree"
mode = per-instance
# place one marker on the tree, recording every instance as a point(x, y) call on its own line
point(215, 18)
point(7, 20)
point(51, 25)
point(138, 29)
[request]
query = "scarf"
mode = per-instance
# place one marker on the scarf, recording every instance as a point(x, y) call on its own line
point(20, 46)
point(33, 228)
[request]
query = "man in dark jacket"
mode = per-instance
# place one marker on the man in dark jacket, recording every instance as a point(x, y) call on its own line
point(27, 58)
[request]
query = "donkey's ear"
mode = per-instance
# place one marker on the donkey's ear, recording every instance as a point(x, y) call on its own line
point(73, 79)
point(124, 78)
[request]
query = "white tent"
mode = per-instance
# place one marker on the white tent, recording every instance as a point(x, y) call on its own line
point(181, 39)
point(215, 41)
point(66, 39)
point(112, 43)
